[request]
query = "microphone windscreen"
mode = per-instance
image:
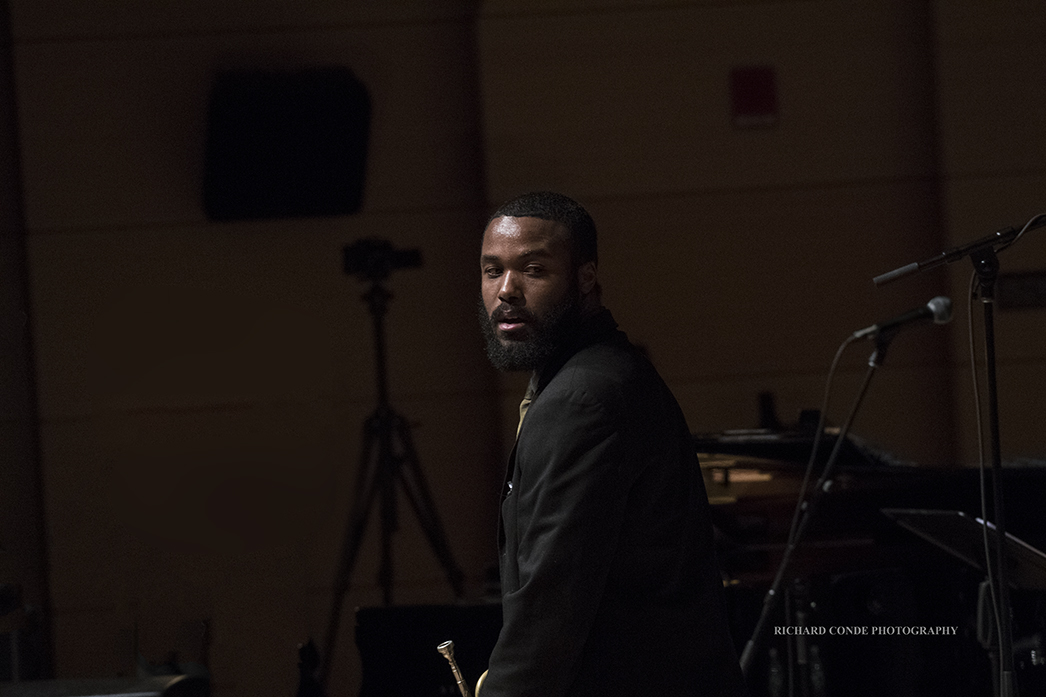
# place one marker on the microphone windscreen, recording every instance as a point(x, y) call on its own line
point(941, 307)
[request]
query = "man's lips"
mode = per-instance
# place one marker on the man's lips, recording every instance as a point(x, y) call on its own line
point(509, 322)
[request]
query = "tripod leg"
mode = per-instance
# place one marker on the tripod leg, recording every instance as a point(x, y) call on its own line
point(414, 485)
point(368, 479)
point(389, 464)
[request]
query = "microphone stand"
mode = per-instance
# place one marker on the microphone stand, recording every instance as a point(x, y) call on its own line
point(982, 253)
point(809, 506)
point(986, 265)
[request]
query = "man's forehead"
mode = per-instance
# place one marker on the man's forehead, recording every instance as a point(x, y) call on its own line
point(527, 231)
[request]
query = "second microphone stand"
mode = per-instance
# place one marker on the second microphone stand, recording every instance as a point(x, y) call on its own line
point(983, 254)
point(808, 506)
point(986, 265)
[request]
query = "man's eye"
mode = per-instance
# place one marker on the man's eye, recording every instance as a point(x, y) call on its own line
point(492, 272)
point(535, 270)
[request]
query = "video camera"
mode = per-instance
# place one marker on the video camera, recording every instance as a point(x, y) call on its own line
point(373, 259)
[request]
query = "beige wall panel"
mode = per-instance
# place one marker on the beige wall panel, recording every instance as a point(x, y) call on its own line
point(113, 131)
point(977, 208)
point(991, 89)
point(253, 485)
point(769, 282)
point(163, 520)
point(629, 103)
point(533, 7)
point(241, 313)
point(14, 359)
point(62, 19)
point(137, 498)
point(21, 537)
point(1022, 419)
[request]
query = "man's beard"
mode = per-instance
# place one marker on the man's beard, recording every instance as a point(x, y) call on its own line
point(547, 334)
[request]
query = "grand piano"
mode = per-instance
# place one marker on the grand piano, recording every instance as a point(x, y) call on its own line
point(857, 567)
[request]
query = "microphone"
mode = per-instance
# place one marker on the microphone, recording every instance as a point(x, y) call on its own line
point(939, 310)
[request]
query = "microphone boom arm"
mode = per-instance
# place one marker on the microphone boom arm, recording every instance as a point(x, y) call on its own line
point(1002, 238)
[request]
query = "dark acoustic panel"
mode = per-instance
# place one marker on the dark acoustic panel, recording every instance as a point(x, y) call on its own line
point(285, 144)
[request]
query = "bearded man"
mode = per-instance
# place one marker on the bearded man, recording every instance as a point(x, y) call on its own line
point(608, 573)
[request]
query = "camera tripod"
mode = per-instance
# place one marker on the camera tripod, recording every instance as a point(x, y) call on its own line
point(388, 458)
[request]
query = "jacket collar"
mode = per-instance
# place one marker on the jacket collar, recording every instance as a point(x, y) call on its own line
point(592, 329)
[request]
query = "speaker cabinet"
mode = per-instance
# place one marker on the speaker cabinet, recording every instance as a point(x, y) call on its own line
point(285, 144)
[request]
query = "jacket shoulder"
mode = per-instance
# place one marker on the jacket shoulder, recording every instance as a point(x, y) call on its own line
point(611, 374)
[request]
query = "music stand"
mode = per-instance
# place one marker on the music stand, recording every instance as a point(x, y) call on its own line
point(963, 537)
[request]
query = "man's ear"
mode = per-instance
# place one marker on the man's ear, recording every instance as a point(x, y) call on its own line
point(586, 277)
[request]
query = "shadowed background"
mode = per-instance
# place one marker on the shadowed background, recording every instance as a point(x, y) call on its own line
point(181, 400)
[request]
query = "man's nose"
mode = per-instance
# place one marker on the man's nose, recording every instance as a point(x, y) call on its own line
point(510, 291)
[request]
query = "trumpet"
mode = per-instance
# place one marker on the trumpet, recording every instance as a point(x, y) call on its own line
point(447, 649)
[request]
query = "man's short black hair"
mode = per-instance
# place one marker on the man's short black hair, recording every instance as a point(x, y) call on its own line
point(549, 205)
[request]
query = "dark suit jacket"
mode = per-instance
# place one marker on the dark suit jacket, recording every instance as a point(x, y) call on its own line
point(608, 574)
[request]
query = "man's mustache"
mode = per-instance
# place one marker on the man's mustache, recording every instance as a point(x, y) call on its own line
point(505, 312)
